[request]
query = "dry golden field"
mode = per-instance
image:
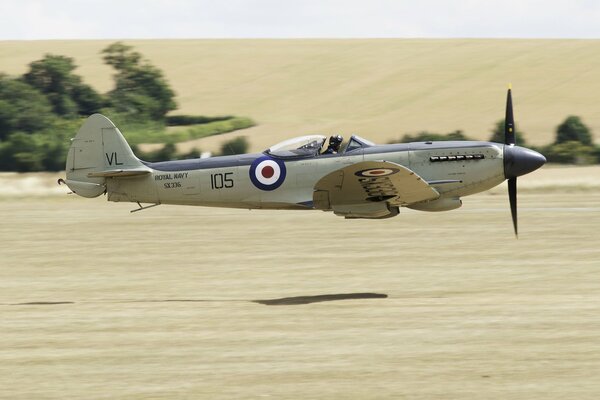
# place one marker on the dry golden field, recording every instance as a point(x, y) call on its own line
point(380, 89)
point(197, 303)
point(98, 303)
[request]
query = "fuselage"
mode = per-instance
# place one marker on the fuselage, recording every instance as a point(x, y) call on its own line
point(454, 169)
point(364, 180)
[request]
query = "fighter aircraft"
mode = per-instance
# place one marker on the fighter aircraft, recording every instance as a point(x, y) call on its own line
point(364, 180)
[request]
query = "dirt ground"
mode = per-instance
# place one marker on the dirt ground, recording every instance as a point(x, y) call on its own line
point(185, 302)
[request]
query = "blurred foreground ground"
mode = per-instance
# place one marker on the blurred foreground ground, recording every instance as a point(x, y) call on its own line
point(96, 302)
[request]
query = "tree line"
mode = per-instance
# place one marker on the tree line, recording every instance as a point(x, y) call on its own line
point(43, 108)
point(573, 141)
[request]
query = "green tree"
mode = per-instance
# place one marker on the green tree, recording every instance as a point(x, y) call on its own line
point(193, 153)
point(19, 152)
point(121, 56)
point(54, 143)
point(53, 75)
point(166, 153)
point(498, 135)
point(22, 108)
point(87, 99)
point(238, 145)
point(573, 129)
point(140, 88)
point(44, 150)
point(597, 154)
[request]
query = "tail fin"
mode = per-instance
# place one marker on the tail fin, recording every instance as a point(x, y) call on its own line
point(98, 151)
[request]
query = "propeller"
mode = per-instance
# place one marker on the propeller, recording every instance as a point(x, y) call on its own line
point(509, 139)
point(517, 160)
point(509, 120)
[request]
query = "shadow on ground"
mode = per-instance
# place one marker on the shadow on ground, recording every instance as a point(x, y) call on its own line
point(292, 301)
point(283, 301)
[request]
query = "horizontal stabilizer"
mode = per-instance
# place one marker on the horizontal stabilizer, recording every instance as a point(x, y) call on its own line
point(85, 189)
point(115, 173)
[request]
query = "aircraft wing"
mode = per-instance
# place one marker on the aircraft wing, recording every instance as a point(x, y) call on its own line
point(371, 189)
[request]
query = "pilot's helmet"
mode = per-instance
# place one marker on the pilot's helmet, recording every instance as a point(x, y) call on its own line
point(335, 139)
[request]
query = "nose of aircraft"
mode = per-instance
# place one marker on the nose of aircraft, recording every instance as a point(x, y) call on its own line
point(520, 161)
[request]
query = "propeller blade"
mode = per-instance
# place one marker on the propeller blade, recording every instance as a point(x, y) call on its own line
point(509, 121)
point(512, 197)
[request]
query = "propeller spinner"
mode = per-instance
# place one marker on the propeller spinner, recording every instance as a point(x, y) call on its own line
point(517, 160)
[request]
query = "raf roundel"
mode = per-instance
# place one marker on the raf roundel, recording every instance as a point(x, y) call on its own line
point(377, 172)
point(267, 173)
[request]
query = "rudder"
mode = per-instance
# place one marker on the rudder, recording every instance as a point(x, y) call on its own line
point(98, 147)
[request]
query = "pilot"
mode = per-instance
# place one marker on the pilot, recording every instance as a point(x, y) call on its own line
point(334, 144)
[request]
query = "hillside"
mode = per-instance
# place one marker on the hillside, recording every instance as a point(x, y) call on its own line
point(380, 89)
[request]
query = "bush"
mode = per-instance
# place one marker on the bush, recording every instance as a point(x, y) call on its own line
point(20, 153)
point(218, 127)
point(498, 135)
point(573, 129)
point(184, 120)
point(572, 152)
point(238, 145)
point(426, 136)
point(166, 153)
point(597, 153)
point(194, 153)
point(41, 151)
point(153, 133)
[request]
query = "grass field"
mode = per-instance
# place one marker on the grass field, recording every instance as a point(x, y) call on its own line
point(197, 303)
point(99, 303)
point(380, 89)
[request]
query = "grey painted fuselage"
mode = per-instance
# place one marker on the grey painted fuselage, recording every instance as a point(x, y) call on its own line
point(454, 169)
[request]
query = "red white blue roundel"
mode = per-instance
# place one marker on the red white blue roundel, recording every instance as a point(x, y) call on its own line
point(267, 173)
point(376, 172)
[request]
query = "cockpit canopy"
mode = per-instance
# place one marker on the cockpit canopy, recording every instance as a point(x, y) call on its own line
point(356, 142)
point(310, 146)
point(299, 147)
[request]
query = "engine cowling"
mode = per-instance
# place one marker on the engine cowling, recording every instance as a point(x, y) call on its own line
point(445, 204)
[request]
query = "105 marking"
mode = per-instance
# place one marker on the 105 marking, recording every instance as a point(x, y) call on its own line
point(220, 181)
